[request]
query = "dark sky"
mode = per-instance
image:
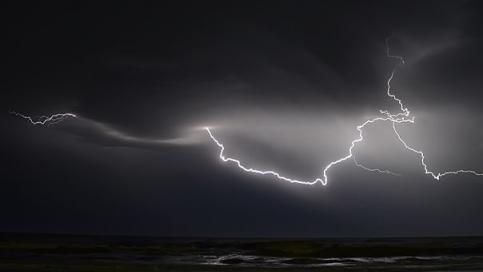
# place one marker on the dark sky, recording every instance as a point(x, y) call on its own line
point(282, 83)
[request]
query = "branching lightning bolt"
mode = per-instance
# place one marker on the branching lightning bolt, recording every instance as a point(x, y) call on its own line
point(402, 117)
point(45, 120)
point(425, 167)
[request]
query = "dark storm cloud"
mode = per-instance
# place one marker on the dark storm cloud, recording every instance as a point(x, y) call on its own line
point(282, 83)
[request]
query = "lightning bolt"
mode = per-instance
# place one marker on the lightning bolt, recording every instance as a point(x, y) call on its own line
point(45, 120)
point(425, 166)
point(402, 117)
point(251, 170)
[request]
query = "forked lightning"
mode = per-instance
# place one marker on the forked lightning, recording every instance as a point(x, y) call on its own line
point(404, 116)
point(45, 120)
point(401, 117)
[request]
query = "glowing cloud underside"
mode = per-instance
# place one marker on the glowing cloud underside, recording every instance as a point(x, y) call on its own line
point(404, 116)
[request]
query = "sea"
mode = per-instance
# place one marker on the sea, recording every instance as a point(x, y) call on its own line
point(55, 252)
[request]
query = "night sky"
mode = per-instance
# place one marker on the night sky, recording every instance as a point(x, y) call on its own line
point(283, 84)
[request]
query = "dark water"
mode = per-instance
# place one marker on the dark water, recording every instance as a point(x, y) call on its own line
point(20, 252)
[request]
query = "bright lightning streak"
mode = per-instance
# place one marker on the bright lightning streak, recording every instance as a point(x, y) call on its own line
point(251, 170)
point(46, 120)
point(402, 117)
